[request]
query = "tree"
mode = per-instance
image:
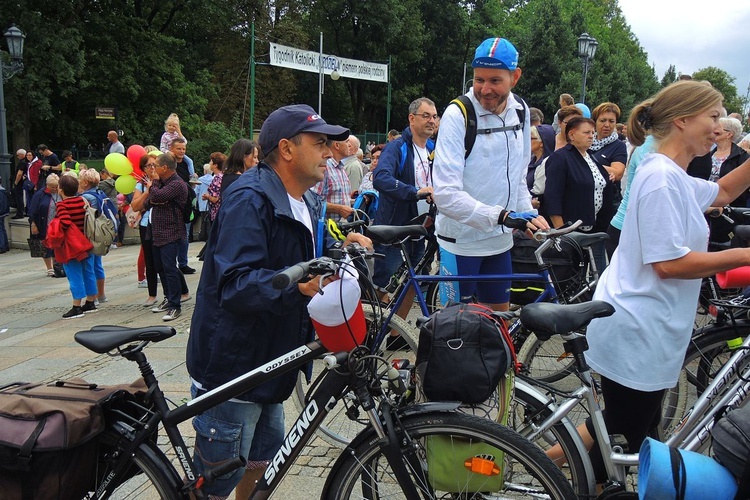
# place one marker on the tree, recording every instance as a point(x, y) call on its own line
point(670, 76)
point(724, 83)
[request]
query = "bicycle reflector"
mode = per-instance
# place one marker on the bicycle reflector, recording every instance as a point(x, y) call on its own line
point(481, 465)
point(337, 313)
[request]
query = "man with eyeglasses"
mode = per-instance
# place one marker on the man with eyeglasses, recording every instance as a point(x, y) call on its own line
point(481, 197)
point(403, 175)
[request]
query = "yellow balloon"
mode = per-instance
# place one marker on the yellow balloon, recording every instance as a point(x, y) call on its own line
point(118, 164)
point(125, 184)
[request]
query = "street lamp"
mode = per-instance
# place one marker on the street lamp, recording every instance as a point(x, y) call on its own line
point(587, 45)
point(14, 37)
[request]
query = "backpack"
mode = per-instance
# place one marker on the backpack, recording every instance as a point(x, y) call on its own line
point(99, 229)
point(366, 202)
point(4, 203)
point(107, 207)
point(464, 351)
point(731, 445)
point(470, 120)
point(48, 436)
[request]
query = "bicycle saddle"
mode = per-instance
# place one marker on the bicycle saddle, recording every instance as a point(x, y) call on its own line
point(388, 235)
point(546, 319)
point(586, 240)
point(105, 338)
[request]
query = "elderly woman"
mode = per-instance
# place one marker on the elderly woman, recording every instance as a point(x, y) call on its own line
point(88, 186)
point(726, 157)
point(607, 148)
point(577, 186)
point(563, 115)
point(42, 210)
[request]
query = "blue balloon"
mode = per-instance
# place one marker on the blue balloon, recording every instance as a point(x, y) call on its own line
point(584, 109)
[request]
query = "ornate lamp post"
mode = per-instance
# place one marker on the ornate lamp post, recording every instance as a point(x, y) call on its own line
point(587, 45)
point(14, 37)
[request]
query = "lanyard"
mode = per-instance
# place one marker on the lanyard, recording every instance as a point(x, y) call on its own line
point(320, 234)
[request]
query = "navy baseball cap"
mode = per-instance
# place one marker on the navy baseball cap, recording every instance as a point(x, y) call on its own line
point(496, 53)
point(288, 121)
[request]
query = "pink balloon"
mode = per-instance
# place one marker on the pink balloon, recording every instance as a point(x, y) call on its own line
point(135, 153)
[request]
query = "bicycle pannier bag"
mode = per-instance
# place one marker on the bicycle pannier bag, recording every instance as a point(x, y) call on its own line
point(463, 353)
point(567, 271)
point(731, 445)
point(48, 445)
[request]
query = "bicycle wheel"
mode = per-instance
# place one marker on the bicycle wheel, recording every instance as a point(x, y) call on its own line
point(545, 360)
point(338, 429)
point(437, 449)
point(529, 408)
point(149, 475)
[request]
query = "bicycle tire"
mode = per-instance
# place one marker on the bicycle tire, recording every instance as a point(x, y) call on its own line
point(709, 345)
point(362, 466)
point(530, 407)
point(149, 475)
point(338, 429)
point(545, 360)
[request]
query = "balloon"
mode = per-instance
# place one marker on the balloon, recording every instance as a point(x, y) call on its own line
point(584, 109)
point(125, 184)
point(117, 164)
point(135, 152)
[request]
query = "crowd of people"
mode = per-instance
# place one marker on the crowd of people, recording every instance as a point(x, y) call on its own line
point(263, 207)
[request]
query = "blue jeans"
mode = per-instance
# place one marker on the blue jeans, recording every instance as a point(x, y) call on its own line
point(165, 261)
point(384, 268)
point(81, 277)
point(252, 430)
point(182, 257)
point(3, 235)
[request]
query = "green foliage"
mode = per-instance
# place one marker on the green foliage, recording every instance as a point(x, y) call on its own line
point(724, 83)
point(670, 76)
point(151, 58)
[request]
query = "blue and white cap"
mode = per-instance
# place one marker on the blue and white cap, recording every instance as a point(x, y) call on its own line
point(496, 53)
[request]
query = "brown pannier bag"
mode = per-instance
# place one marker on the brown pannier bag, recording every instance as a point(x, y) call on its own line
point(48, 445)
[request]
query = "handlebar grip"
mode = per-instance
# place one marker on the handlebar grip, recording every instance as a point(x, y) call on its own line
point(290, 276)
point(423, 196)
point(224, 468)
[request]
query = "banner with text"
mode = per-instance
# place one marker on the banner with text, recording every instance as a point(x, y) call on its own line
point(306, 60)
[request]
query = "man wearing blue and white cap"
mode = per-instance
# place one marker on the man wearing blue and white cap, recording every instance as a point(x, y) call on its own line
point(266, 223)
point(482, 196)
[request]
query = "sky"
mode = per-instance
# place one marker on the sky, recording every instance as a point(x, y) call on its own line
point(691, 35)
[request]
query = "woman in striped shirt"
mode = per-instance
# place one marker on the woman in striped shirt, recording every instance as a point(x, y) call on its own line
point(80, 274)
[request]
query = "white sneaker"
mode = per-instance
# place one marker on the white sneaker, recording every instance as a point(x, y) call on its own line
point(143, 284)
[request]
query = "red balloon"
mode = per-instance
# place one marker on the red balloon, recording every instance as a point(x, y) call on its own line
point(135, 153)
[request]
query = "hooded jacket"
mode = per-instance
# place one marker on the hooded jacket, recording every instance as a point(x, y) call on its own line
point(240, 321)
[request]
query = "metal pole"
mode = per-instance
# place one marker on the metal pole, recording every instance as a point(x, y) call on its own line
point(388, 108)
point(583, 86)
point(463, 80)
point(320, 77)
point(252, 80)
point(4, 156)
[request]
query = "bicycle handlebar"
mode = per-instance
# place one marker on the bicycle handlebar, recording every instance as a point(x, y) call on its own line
point(316, 267)
point(554, 233)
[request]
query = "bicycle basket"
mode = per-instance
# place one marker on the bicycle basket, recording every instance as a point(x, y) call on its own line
point(568, 269)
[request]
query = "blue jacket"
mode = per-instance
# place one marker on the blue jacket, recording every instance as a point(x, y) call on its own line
point(240, 321)
point(569, 189)
point(393, 178)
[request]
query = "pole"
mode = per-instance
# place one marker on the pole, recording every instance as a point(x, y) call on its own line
point(388, 108)
point(583, 86)
point(252, 80)
point(463, 80)
point(320, 77)
point(4, 156)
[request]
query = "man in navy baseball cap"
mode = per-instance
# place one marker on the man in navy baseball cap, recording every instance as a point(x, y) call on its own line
point(288, 121)
point(268, 220)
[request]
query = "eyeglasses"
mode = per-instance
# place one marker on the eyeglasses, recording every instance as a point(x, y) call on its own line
point(536, 138)
point(151, 165)
point(427, 116)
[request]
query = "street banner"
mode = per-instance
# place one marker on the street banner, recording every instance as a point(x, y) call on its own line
point(307, 60)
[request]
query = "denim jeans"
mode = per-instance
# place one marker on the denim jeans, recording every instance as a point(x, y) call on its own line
point(165, 261)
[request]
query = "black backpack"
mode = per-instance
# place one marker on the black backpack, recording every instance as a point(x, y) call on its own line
point(464, 351)
point(470, 120)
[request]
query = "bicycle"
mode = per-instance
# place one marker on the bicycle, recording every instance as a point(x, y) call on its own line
point(340, 427)
point(389, 456)
point(544, 412)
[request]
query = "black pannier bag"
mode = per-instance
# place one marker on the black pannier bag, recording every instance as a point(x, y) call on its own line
point(731, 446)
point(48, 436)
point(568, 268)
point(464, 351)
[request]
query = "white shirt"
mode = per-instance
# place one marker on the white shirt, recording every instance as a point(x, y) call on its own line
point(302, 214)
point(599, 184)
point(421, 175)
point(470, 193)
point(642, 345)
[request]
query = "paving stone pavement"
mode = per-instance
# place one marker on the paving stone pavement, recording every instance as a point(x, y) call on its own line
point(37, 345)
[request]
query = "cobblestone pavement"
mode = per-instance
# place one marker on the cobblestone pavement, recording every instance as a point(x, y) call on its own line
point(36, 344)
